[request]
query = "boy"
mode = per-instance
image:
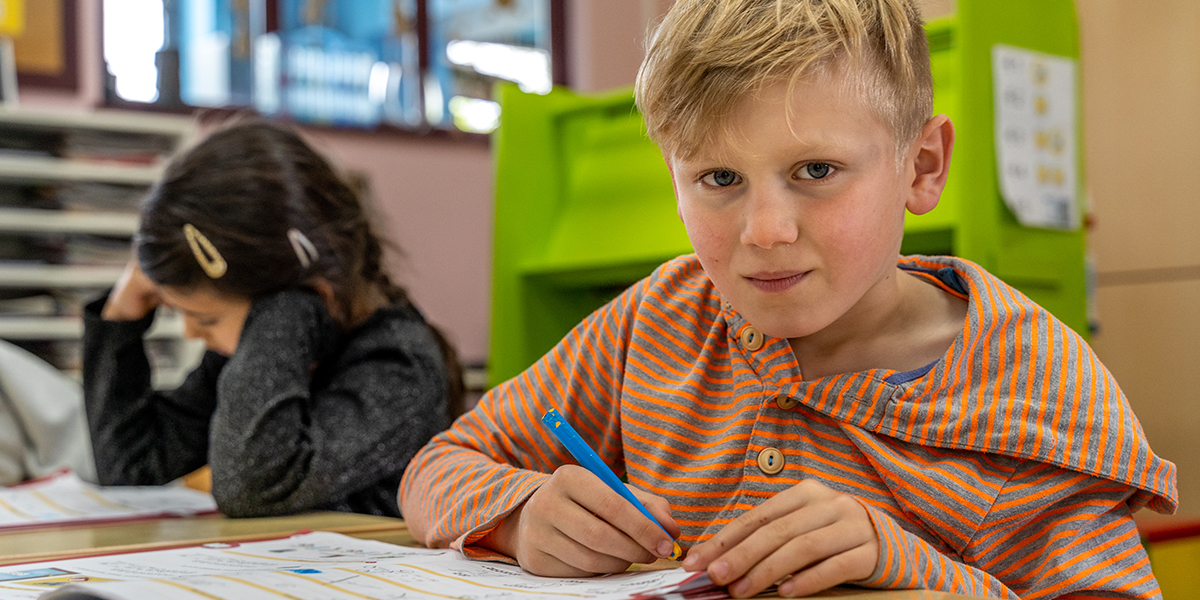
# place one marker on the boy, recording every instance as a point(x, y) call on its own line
point(793, 402)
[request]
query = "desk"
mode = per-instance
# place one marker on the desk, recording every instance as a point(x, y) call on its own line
point(64, 542)
point(61, 542)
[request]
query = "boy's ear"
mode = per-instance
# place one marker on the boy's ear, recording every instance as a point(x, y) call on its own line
point(931, 164)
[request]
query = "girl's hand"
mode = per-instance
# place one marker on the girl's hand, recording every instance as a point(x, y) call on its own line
point(575, 525)
point(811, 535)
point(134, 296)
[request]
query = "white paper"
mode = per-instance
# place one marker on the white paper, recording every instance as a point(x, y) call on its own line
point(323, 565)
point(65, 498)
point(1035, 136)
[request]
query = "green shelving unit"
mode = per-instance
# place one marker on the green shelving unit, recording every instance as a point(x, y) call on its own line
point(584, 207)
point(972, 220)
point(584, 204)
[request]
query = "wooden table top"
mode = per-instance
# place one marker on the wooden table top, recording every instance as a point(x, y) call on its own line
point(49, 543)
point(87, 540)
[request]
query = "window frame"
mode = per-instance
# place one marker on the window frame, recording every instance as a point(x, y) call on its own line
point(558, 65)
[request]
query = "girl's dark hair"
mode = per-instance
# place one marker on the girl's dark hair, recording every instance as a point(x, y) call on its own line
point(244, 188)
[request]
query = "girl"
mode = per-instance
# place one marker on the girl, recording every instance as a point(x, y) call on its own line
point(321, 378)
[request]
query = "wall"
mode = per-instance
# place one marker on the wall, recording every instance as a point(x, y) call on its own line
point(607, 40)
point(1141, 85)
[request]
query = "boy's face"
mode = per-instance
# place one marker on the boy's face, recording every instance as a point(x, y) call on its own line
point(797, 220)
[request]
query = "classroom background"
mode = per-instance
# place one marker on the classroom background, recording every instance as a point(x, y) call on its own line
point(433, 188)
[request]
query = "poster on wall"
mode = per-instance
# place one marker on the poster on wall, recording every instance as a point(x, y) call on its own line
point(1035, 119)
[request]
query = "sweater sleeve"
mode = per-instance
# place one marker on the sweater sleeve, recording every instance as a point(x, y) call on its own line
point(141, 436)
point(468, 478)
point(1051, 533)
point(294, 432)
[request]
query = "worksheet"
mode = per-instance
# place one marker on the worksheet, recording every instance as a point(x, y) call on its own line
point(64, 498)
point(325, 566)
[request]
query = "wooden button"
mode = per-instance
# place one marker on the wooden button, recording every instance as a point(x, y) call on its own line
point(770, 461)
point(751, 338)
point(785, 402)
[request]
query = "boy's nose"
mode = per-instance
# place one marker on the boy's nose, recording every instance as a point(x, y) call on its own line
point(769, 220)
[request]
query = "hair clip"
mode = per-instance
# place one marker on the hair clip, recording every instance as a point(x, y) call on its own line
point(210, 260)
point(304, 248)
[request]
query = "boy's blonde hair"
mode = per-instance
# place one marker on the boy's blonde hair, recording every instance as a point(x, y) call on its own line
point(707, 55)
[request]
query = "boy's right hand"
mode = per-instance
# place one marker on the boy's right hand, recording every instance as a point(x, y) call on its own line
point(575, 525)
point(133, 297)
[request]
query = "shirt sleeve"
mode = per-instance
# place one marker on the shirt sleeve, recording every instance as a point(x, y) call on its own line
point(1051, 533)
point(293, 433)
point(141, 436)
point(468, 478)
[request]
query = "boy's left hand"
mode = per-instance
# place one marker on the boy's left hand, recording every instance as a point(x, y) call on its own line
point(815, 535)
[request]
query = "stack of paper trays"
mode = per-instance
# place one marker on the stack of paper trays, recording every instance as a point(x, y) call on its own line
point(65, 499)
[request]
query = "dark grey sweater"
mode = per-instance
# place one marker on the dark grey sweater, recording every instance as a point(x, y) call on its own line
point(299, 418)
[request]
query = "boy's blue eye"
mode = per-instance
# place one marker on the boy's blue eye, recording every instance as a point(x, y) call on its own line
point(721, 178)
point(815, 171)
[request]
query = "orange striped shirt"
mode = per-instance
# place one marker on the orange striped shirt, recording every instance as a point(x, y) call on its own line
point(1010, 467)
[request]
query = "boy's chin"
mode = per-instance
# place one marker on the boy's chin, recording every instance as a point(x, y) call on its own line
point(780, 326)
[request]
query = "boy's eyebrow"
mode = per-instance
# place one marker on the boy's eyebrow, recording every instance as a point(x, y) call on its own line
point(801, 147)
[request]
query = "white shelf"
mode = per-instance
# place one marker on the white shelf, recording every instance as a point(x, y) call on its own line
point(475, 379)
point(57, 276)
point(28, 220)
point(101, 120)
point(40, 328)
point(71, 328)
point(35, 169)
point(82, 135)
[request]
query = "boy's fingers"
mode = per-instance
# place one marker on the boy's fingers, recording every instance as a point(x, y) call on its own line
point(660, 508)
point(553, 524)
point(758, 555)
point(603, 502)
point(598, 535)
point(546, 564)
point(769, 560)
point(835, 570)
point(588, 559)
point(560, 561)
point(745, 525)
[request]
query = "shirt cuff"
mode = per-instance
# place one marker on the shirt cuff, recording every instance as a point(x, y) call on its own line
point(466, 543)
point(908, 562)
point(118, 332)
point(893, 569)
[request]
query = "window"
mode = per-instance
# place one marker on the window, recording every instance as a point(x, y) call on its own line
point(130, 58)
point(414, 64)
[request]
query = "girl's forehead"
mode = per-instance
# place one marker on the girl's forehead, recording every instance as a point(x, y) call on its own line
point(197, 298)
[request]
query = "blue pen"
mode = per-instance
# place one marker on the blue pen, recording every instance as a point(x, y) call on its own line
point(589, 460)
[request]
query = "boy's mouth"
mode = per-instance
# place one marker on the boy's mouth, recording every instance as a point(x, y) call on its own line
point(775, 281)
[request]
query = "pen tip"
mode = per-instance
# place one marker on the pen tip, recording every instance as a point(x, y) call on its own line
point(676, 552)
